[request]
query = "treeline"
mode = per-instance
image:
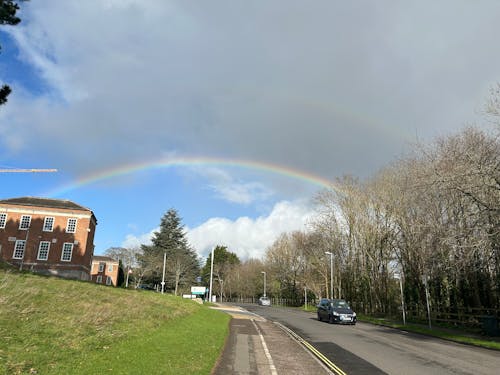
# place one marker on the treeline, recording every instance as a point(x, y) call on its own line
point(430, 219)
point(433, 217)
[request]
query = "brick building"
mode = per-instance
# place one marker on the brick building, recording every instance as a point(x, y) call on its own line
point(48, 236)
point(104, 270)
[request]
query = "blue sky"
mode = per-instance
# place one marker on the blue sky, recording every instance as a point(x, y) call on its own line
point(317, 91)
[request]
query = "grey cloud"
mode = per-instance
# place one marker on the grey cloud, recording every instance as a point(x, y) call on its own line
point(330, 87)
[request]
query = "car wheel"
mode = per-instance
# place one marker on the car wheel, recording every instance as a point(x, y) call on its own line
point(330, 319)
point(319, 317)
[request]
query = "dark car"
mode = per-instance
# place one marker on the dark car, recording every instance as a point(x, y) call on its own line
point(336, 311)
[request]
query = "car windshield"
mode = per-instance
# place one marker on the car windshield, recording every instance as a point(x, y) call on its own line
point(264, 298)
point(340, 304)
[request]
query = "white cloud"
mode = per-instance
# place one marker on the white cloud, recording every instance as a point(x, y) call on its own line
point(246, 237)
point(230, 189)
point(132, 242)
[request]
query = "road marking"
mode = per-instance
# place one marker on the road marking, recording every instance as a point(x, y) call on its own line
point(332, 366)
point(266, 351)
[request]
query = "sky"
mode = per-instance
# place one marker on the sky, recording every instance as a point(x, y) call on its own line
point(234, 113)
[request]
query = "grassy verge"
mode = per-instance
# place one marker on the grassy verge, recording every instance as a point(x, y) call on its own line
point(457, 336)
point(54, 326)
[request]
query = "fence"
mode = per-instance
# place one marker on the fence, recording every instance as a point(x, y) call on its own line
point(274, 301)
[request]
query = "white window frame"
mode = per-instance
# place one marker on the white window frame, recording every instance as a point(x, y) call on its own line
point(102, 265)
point(67, 248)
point(98, 279)
point(110, 267)
point(46, 226)
point(71, 225)
point(3, 220)
point(19, 249)
point(42, 243)
point(25, 222)
point(109, 280)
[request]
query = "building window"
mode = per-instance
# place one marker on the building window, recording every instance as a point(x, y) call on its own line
point(43, 250)
point(67, 252)
point(101, 266)
point(110, 267)
point(48, 224)
point(108, 280)
point(19, 249)
point(71, 227)
point(3, 220)
point(25, 222)
point(98, 279)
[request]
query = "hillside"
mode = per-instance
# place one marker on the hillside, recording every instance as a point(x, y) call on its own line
point(55, 326)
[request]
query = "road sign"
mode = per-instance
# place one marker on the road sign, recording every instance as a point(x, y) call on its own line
point(198, 290)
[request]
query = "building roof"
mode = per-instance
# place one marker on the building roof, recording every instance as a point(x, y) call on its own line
point(98, 258)
point(48, 203)
point(44, 202)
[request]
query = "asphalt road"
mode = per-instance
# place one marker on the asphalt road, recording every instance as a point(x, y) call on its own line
point(369, 349)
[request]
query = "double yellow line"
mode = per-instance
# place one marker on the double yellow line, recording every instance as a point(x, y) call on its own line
point(332, 366)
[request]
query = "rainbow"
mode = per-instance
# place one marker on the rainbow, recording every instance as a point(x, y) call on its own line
point(193, 162)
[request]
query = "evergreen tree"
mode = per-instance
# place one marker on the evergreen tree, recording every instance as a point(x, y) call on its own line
point(182, 264)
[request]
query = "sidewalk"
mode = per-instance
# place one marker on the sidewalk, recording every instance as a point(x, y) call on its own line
point(257, 346)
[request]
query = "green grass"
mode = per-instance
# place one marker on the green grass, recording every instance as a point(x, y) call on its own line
point(456, 335)
point(55, 326)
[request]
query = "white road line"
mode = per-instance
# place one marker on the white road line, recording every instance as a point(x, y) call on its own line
point(266, 351)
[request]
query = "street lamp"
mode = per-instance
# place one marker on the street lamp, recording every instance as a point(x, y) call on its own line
point(398, 276)
point(211, 275)
point(331, 272)
point(264, 282)
point(163, 278)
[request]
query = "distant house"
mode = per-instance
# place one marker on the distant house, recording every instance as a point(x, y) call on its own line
point(47, 236)
point(104, 270)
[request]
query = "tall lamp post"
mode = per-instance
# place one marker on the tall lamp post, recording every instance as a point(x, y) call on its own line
point(331, 272)
point(398, 276)
point(211, 275)
point(264, 282)
point(163, 278)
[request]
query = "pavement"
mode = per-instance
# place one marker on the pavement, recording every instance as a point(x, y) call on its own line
point(258, 346)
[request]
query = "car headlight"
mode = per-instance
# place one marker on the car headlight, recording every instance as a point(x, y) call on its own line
point(336, 313)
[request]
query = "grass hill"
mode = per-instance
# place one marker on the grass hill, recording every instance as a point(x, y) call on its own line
point(56, 326)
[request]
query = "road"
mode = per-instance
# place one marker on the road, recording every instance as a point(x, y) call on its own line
point(370, 349)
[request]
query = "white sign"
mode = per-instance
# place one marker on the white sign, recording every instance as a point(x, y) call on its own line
point(198, 290)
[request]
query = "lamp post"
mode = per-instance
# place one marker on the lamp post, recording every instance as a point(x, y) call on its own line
point(397, 276)
point(264, 282)
point(163, 278)
point(211, 275)
point(331, 272)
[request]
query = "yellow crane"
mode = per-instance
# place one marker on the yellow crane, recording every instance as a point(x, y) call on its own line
point(29, 170)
